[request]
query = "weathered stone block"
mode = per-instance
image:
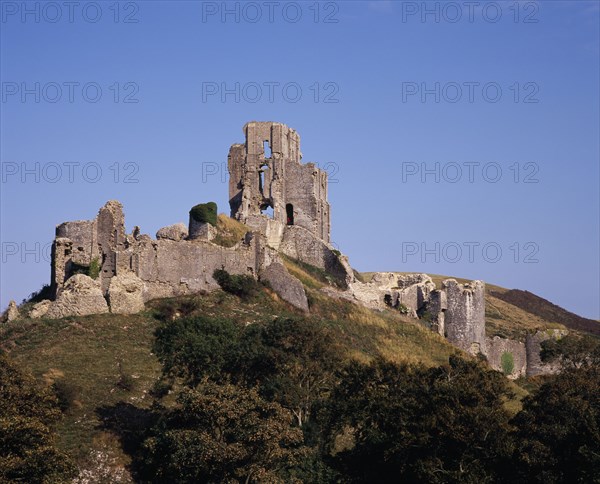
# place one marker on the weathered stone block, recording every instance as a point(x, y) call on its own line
point(40, 309)
point(201, 230)
point(125, 294)
point(80, 296)
point(173, 232)
point(12, 312)
point(285, 285)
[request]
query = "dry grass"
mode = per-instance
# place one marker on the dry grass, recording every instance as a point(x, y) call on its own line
point(508, 321)
point(229, 231)
point(302, 275)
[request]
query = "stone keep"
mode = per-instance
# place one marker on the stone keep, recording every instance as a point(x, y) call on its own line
point(258, 180)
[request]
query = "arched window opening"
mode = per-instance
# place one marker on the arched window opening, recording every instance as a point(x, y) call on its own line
point(289, 210)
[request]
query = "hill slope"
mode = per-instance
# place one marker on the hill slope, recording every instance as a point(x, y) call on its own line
point(546, 310)
point(106, 367)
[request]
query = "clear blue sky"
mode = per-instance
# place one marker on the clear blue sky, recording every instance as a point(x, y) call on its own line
point(380, 61)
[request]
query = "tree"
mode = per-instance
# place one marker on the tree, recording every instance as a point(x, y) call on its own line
point(559, 429)
point(197, 347)
point(294, 362)
point(414, 424)
point(27, 447)
point(572, 351)
point(223, 433)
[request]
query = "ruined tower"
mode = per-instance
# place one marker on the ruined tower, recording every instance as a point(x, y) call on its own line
point(265, 174)
point(464, 318)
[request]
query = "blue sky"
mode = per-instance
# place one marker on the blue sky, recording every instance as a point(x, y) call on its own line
point(463, 146)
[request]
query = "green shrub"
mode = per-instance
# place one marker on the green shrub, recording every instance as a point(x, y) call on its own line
point(205, 213)
point(403, 309)
point(94, 269)
point(508, 363)
point(238, 284)
point(44, 293)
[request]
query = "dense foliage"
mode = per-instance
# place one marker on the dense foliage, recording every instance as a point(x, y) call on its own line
point(409, 423)
point(27, 414)
point(356, 422)
point(572, 351)
point(223, 433)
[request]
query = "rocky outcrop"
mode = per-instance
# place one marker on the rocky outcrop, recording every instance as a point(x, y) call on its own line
point(173, 232)
point(81, 296)
point(12, 312)
point(40, 309)
point(125, 294)
point(285, 285)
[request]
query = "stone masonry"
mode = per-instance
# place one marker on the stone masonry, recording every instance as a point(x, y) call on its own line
point(296, 192)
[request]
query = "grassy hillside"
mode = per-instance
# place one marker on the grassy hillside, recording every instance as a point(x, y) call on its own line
point(105, 366)
point(546, 310)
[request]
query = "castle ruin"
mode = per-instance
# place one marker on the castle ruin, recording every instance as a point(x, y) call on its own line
point(266, 173)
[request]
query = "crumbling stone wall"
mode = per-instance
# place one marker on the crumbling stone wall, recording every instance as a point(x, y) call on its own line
point(165, 267)
point(435, 311)
point(497, 347)
point(533, 342)
point(173, 268)
point(79, 243)
point(393, 289)
point(257, 180)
